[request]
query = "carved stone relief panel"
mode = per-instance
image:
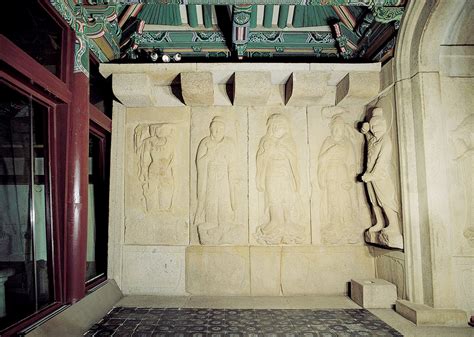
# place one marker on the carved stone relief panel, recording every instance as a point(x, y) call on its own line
point(390, 266)
point(339, 211)
point(219, 206)
point(157, 176)
point(278, 176)
point(460, 155)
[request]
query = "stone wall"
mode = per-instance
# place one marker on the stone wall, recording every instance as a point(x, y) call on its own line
point(239, 179)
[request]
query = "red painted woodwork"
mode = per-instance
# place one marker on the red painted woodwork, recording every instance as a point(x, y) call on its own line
point(27, 66)
point(100, 118)
point(76, 187)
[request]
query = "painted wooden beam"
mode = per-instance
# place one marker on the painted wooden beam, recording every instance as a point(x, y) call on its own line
point(240, 28)
point(268, 16)
point(283, 16)
point(253, 17)
point(365, 3)
point(192, 15)
point(207, 15)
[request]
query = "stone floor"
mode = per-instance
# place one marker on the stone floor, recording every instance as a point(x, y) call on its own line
point(306, 316)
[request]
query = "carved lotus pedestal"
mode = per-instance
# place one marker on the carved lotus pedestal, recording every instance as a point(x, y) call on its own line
point(384, 238)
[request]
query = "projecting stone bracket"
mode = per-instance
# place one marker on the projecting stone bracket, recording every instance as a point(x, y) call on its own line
point(251, 88)
point(357, 88)
point(133, 90)
point(197, 88)
point(421, 314)
point(307, 88)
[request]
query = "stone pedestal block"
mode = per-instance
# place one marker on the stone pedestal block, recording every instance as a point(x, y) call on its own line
point(133, 90)
point(252, 88)
point(306, 88)
point(373, 293)
point(421, 314)
point(357, 88)
point(197, 88)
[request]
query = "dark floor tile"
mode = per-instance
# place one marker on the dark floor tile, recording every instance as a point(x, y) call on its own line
point(122, 333)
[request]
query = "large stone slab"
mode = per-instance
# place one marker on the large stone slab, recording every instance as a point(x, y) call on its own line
point(153, 270)
point(306, 88)
point(252, 87)
point(133, 90)
point(357, 88)
point(157, 176)
point(217, 270)
point(265, 271)
point(323, 270)
point(219, 204)
point(421, 314)
point(197, 88)
point(278, 176)
point(339, 210)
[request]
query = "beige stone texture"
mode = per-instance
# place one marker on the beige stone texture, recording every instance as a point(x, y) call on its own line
point(390, 266)
point(323, 270)
point(197, 88)
point(421, 314)
point(221, 166)
point(457, 61)
point(252, 88)
point(154, 270)
point(306, 88)
point(357, 88)
point(133, 90)
point(217, 270)
point(373, 293)
point(278, 176)
point(464, 272)
point(339, 209)
point(157, 176)
point(265, 271)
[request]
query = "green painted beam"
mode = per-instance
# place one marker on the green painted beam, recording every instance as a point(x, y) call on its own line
point(298, 16)
point(283, 16)
point(192, 15)
point(207, 15)
point(253, 17)
point(268, 16)
point(365, 3)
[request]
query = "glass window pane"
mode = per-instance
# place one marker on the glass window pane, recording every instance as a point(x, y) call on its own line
point(25, 276)
point(34, 31)
point(97, 209)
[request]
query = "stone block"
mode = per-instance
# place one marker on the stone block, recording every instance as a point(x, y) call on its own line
point(373, 293)
point(217, 270)
point(421, 314)
point(153, 270)
point(265, 271)
point(357, 88)
point(312, 269)
point(133, 90)
point(219, 189)
point(252, 87)
point(197, 88)
point(306, 88)
point(157, 176)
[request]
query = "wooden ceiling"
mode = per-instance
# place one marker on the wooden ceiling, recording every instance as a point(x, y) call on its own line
point(260, 30)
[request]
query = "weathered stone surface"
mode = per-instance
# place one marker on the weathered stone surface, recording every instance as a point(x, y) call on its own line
point(357, 88)
point(157, 176)
point(133, 90)
point(252, 88)
point(421, 314)
point(306, 88)
point(197, 88)
point(219, 189)
point(217, 270)
point(373, 293)
point(278, 176)
point(154, 270)
point(265, 271)
point(311, 269)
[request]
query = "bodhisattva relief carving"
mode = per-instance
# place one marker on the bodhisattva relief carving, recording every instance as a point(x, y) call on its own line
point(379, 183)
point(217, 178)
point(339, 201)
point(462, 138)
point(278, 178)
point(155, 147)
